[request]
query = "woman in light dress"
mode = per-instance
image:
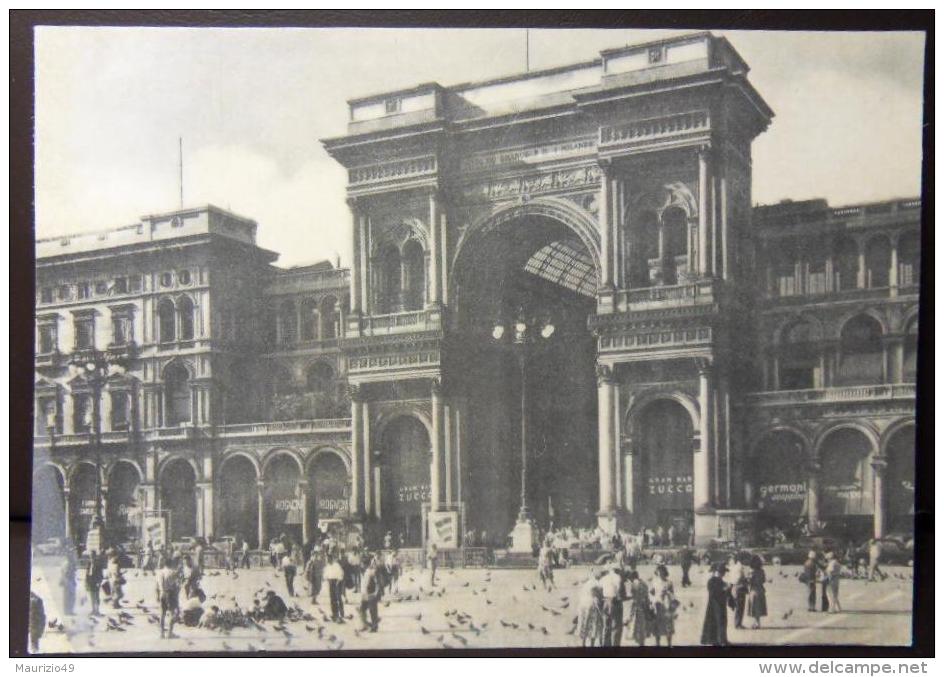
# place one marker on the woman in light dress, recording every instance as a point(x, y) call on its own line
point(590, 616)
point(664, 605)
point(756, 595)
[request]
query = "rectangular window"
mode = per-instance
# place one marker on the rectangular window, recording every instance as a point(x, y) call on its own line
point(84, 333)
point(786, 285)
point(101, 287)
point(82, 413)
point(135, 283)
point(392, 106)
point(47, 339)
point(84, 290)
point(46, 416)
point(121, 323)
point(45, 295)
point(121, 285)
point(120, 413)
point(64, 292)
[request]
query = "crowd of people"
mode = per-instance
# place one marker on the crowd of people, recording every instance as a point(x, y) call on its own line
point(615, 594)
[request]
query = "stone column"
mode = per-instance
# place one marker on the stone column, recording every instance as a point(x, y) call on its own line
point(434, 255)
point(703, 206)
point(303, 497)
point(606, 229)
point(356, 267)
point(629, 475)
point(725, 235)
point(200, 497)
point(878, 469)
point(444, 249)
point(448, 451)
point(862, 273)
point(702, 462)
point(261, 527)
point(208, 512)
point(812, 495)
point(367, 493)
point(606, 398)
point(436, 444)
point(357, 442)
point(67, 506)
point(364, 227)
point(893, 269)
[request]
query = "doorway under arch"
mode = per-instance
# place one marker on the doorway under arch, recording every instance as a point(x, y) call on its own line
point(239, 500)
point(405, 460)
point(49, 508)
point(846, 484)
point(179, 498)
point(283, 499)
point(900, 480)
point(122, 516)
point(663, 471)
point(538, 269)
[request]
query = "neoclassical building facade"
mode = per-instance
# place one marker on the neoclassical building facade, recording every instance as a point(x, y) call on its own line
point(562, 304)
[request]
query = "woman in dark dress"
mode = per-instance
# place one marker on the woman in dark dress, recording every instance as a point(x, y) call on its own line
point(714, 632)
point(756, 596)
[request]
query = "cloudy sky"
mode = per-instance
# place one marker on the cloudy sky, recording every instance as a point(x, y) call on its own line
point(252, 104)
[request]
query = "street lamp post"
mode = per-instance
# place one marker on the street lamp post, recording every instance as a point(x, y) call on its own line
point(96, 367)
point(523, 333)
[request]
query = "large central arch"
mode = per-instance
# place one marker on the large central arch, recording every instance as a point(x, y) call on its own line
point(540, 259)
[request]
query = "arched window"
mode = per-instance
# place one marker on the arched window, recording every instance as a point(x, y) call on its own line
point(909, 260)
point(674, 243)
point(784, 267)
point(329, 318)
point(389, 294)
point(799, 359)
point(320, 378)
point(309, 318)
point(167, 321)
point(910, 370)
point(847, 264)
point(816, 255)
point(288, 322)
point(185, 310)
point(861, 354)
point(845, 475)
point(878, 256)
point(414, 275)
point(646, 250)
point(177, 397)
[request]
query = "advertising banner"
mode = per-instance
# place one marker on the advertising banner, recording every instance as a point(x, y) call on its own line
point(444, 529)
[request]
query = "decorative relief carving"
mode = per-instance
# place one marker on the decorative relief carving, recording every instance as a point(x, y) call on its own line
point(517, 156)
point(562, 179)
point(697, 335)
point(400, 360)
point(390, 171)
point(654, 128)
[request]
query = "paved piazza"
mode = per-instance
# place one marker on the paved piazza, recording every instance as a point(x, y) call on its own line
point(508, 608)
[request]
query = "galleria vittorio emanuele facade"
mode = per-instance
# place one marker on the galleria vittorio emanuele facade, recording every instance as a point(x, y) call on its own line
point(563, 309)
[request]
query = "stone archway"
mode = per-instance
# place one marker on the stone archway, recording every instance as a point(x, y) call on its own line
point(82, 491)
point(329, 488)
point(405, 477)
point(178, 485)
point(284, 509)
point(239, 499)
point(780, 473)
point(536, 263)
point(846, 483)
point(123, 513)
point(663, 472)
point(49, 504)
point(900, 479)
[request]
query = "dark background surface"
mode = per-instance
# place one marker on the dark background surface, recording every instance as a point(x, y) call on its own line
point(22, 255)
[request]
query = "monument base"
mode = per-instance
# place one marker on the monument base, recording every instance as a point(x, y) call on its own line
point(524, 536)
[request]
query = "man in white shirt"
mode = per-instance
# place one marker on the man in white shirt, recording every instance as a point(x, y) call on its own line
point(612, 586)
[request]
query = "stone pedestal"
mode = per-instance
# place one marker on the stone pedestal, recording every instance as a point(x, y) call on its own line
point(612, 521)
point(706, 528)
point(95, 540)
point(524, 536)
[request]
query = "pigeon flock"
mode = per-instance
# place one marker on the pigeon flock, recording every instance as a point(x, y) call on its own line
point(466, 609)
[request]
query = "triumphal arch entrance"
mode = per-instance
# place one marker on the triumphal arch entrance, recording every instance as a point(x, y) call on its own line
point(549, 320)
